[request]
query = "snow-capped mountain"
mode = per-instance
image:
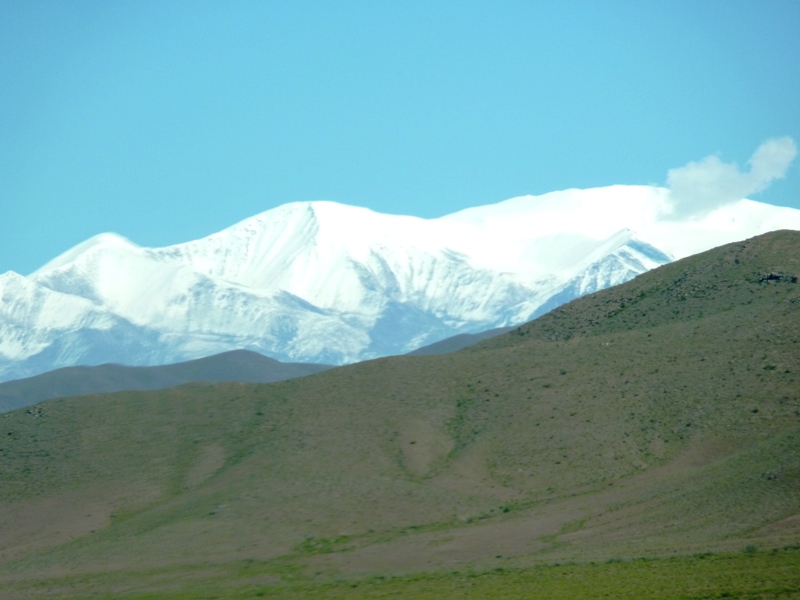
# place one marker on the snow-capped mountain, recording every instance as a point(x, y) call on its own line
point(326, 282)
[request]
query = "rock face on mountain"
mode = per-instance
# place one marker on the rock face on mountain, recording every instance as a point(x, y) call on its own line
point(329, 283)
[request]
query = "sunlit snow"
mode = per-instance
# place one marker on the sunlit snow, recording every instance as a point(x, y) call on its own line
point(326, 282)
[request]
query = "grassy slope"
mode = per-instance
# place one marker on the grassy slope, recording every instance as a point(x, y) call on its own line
point(661, 417)
point(743, 575)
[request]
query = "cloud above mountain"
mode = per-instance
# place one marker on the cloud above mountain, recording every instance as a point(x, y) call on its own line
point(699, 187)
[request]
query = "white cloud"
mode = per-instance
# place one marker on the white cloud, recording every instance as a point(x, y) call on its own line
point(700, 187)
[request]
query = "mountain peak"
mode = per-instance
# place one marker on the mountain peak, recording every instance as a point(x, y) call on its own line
point(326, 282)
point(98, 243)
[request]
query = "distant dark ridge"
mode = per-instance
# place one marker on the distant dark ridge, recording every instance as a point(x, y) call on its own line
point(237, 365)
point(457, 342)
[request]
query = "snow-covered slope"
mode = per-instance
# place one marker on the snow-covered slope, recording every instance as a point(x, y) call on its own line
point(326, 282)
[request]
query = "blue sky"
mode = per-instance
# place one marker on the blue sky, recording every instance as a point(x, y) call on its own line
point(167, 121)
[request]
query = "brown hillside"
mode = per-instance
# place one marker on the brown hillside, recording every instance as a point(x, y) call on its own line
point(658, 417)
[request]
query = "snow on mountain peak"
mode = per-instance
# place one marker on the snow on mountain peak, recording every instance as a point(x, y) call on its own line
point(327, 282)
point(98, 243)
point(596, 212)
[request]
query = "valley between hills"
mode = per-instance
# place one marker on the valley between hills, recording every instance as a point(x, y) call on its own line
point(655, 425)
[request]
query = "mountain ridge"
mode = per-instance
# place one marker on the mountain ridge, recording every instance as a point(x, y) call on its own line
point(236, 365)
point(327, 283)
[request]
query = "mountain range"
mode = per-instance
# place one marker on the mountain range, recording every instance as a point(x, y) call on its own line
point(329, 283)
point(657, 418)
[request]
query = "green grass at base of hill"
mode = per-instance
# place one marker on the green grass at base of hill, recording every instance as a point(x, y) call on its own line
point(750, 574)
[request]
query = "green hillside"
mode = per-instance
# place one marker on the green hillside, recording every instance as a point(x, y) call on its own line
point(655, 419)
